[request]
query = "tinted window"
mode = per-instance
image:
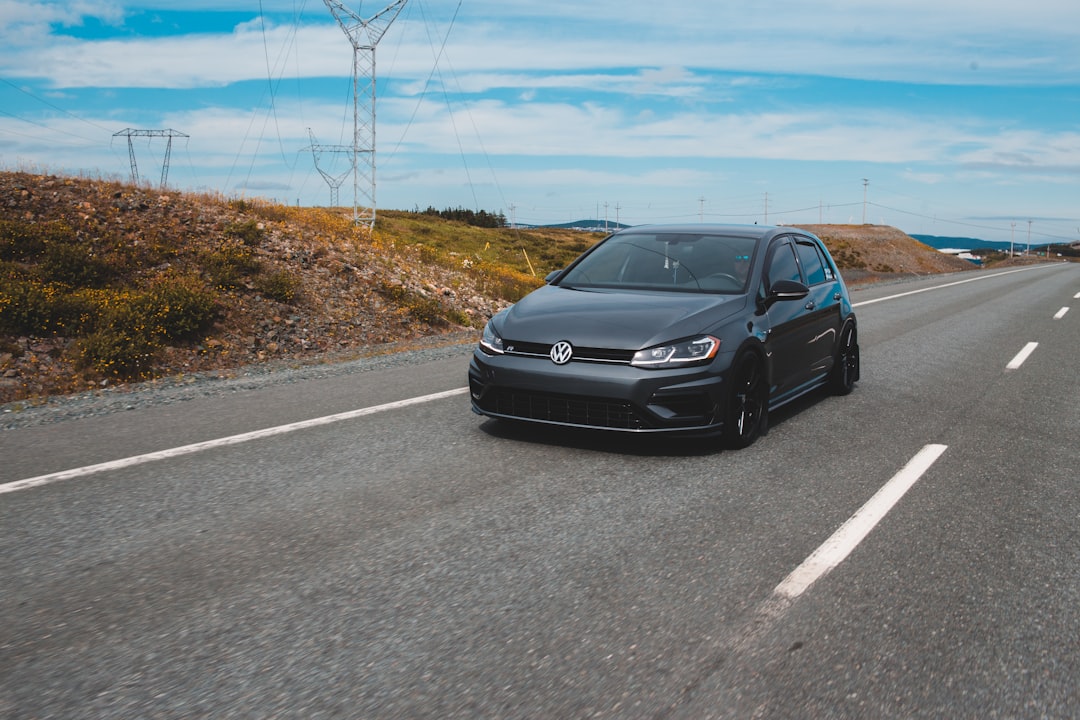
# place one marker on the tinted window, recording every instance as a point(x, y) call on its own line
point(812, 263)
point(782, 265)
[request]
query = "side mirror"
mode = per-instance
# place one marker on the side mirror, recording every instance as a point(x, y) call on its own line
point(787, 290)
point(551, 276)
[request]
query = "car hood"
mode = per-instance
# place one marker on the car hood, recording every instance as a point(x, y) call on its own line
point(628, 320)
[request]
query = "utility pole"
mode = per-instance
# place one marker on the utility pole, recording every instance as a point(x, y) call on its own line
point(1029, 238)
point(130, 133)
point(701, 209)
point(1012, 236)
point(766, 207)
point(334, 181)
point(865, 185)
point(364, 35)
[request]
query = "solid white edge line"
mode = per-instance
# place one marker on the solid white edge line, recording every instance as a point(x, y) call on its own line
point(939, 287)
point(1061, 313)
point(219, 442)
point(834, 550)
point(1022, 356)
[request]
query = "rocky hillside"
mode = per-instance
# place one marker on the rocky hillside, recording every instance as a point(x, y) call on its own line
point(287, 285)
point(291, 285)
point(866, 253)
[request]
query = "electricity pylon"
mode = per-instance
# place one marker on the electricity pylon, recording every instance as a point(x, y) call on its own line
point(364, 36)
point(130, 133)
point(334, 181)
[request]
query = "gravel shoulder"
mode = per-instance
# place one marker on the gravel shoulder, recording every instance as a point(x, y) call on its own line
point(175, 389)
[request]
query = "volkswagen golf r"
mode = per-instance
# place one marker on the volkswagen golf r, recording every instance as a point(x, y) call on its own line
point(697, 329)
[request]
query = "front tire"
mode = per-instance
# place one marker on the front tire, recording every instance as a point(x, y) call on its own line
point(748, 402)
point(845, 370)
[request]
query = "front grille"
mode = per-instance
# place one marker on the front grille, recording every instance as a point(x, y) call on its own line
point(581, 354)
point(562, 409)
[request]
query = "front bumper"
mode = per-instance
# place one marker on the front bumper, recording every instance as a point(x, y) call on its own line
point(605, 396)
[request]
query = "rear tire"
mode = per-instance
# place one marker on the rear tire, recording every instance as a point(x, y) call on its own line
point(748, 402)
point(845, 371)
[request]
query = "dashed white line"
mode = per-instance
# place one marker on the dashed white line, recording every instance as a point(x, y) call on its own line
point(219, 442)
point(834, 550)
point(1061, 313)
point(1022, 356)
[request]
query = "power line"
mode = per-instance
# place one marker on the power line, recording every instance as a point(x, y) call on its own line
point(54, 107)
point(45, 127)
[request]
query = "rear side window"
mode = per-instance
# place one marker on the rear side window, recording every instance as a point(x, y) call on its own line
point(812, 262)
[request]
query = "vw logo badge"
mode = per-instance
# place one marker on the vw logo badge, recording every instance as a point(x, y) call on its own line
point(561, 352)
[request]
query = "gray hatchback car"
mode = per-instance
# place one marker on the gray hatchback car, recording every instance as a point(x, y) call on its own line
point(696, 329)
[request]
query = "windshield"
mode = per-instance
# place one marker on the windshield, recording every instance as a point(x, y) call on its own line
point(682, 262)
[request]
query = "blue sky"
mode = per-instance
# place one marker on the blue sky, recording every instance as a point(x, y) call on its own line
point(963, 116)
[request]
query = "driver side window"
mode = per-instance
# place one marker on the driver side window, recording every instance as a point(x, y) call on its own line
point(782, 264)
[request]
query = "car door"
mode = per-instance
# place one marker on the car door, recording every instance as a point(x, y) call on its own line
point(822, 305)
point(791, 328)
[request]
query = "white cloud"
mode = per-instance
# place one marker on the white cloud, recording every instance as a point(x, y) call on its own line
point(951, 41)
point(26, 23)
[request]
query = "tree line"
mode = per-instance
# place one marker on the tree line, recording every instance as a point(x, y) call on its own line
point(477, 218)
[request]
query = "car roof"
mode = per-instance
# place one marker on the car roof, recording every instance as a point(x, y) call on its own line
point(750, 231)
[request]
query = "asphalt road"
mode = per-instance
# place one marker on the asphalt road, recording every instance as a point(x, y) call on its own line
point(417, 561)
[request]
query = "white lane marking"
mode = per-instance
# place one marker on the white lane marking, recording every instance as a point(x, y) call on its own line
point(939, 287)
point(219, 442)
point(1076, 296)
point(1061, 313)
point(1022, 356)
point(834, 550)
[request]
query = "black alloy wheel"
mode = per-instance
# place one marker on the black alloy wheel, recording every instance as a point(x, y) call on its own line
point(845, 370)
point(748, 405)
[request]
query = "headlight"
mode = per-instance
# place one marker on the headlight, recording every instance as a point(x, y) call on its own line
point(490, 342)
point(681, 354)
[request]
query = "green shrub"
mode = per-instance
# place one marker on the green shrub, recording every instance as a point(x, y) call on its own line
point(229, 266)
point(429, 255)
point(176, 308)
point(24, 307)
point(76, 312)
point(249, 232)
point(280, 285)
point(117, 353)
point(135, 325)
point(24, 240)
point(74, 264)
point(425, 309)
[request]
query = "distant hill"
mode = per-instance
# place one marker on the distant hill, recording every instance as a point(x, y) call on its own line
point(940, 242)
point(875, 252)
point(590, 226)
